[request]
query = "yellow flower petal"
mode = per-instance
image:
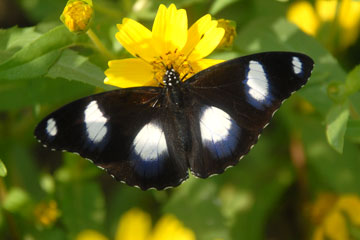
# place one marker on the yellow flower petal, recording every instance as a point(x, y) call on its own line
point(90, 235)
point(349, 14)
point(130, 72)
point(134, 225)
point(169, 228)
point(349, 21)
point(303, 15)
point(136, 39)
point(326, 9)
point(335, 226)
point(170, 29)
point(207, 44)
point(322, 206)
point(196, 32)
point(350, 204)
point(204, 63)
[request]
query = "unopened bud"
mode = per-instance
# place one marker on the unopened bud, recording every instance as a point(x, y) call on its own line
point(230, 32)
point(77, 15)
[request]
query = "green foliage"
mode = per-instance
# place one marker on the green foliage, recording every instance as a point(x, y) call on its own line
point(3, 170)
point(336, 122)
point(311, 146)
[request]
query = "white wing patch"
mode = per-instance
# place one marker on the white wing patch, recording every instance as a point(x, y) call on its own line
point(95, 122)
point(219, 132)
point(297, 65)
point(257, 81)
point(214, 124)
point(150, 142)
point(51, 127)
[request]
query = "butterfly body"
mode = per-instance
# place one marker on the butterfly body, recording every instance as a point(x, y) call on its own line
point(150, 136)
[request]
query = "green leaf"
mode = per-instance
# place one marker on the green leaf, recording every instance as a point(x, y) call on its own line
point(18, 94)
point(41, 48)
point(3, 170)
point(56, 38)
point(352, 83)
point(336, 122)
point(13, 39)
point(35, 68)
point(73, 66)
point(16, 38)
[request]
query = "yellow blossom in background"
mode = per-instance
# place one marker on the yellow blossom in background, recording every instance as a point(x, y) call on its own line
point(329, 213)
point(169, 228)
point(136, 225)
point(304, 16)
point(326, 10)
point(344, 14)
point(169, 44)
point(77, 15)
point(46, 213)
point(349, 21)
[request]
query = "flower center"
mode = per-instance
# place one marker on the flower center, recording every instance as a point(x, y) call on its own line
point(172, 60)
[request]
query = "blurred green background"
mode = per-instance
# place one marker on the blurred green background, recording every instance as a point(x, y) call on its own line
point(301, 180)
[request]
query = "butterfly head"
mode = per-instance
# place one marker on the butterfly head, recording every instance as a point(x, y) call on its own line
point(171, 77)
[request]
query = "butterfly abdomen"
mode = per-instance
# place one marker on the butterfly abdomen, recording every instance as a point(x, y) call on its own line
point(179, 121)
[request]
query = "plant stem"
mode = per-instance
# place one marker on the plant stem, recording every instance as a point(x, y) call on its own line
point(102, 49)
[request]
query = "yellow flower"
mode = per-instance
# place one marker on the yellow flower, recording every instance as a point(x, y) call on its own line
point(304, 16)
point(349, 20)
point(136, 225)
point(345, 14)
point(46, 213)
point(77, 15)
point(169, 228)
point(330, 213)
point(169, 44)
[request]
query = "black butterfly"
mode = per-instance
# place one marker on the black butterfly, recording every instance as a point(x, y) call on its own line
point(150, 136)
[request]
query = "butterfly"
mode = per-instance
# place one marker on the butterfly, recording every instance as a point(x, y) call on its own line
point(150, 137)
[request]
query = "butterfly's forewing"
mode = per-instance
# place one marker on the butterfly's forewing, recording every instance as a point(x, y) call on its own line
point(122, 132)
point(233, 101)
